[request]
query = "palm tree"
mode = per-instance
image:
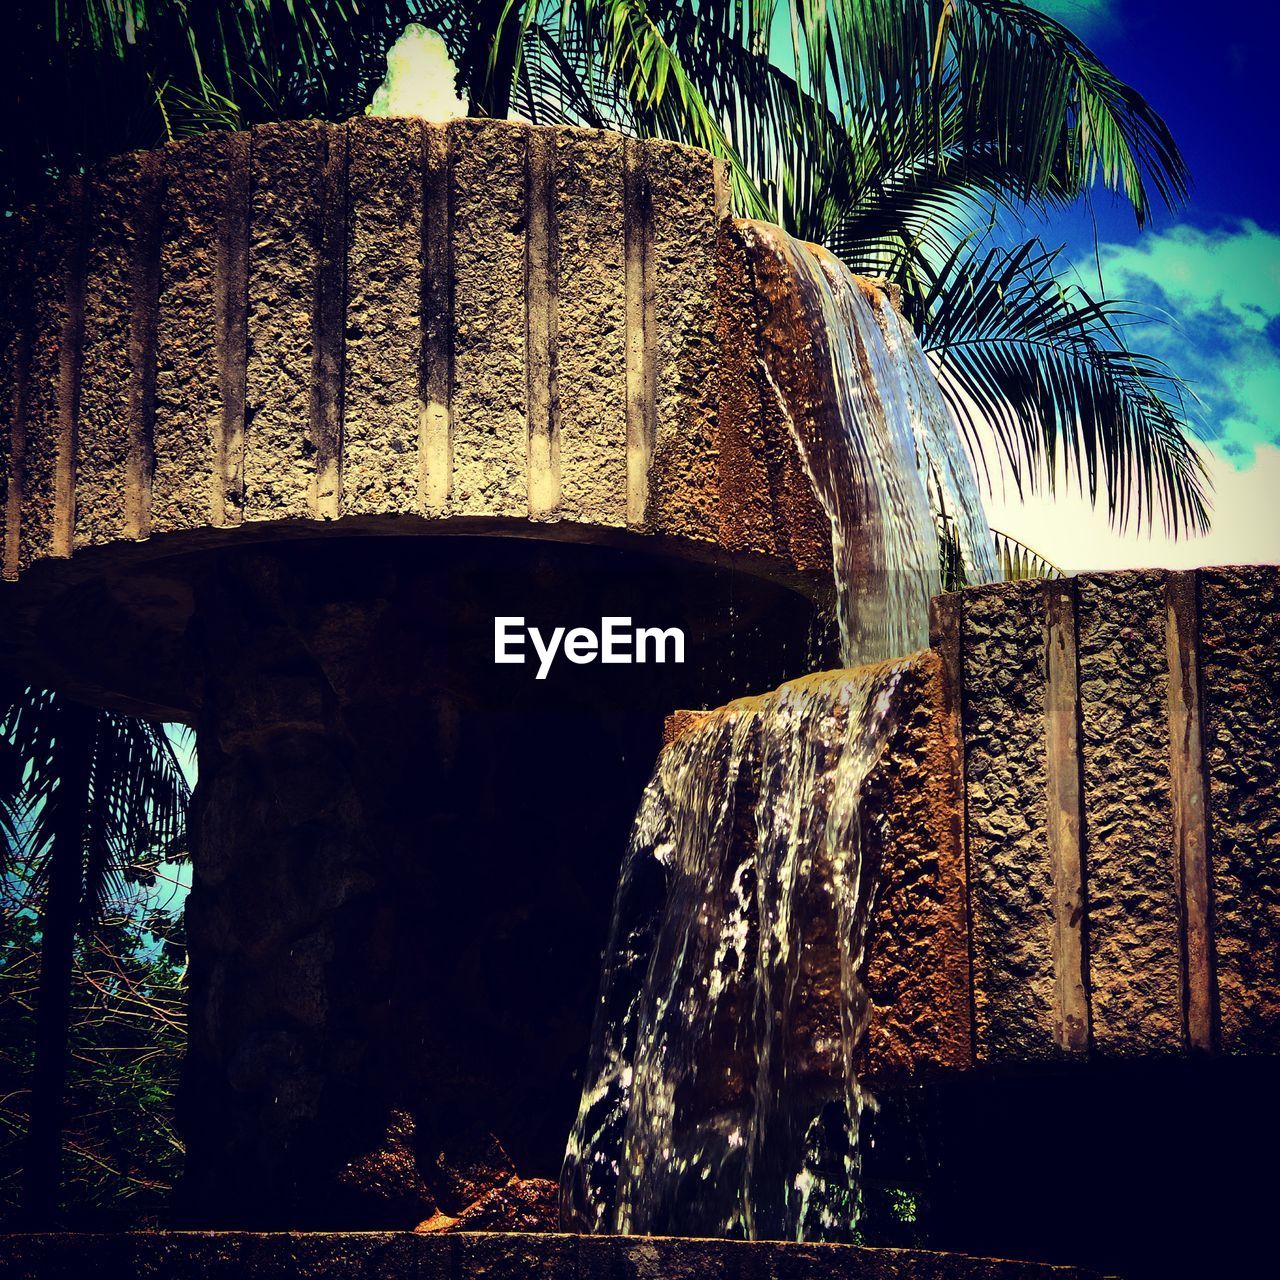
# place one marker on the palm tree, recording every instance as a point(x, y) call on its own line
point(901, 133)
point(84, 794)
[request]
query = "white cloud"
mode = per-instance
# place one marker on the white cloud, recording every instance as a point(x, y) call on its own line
point(422, 79)
point(1220, 292)
point(1231, 271)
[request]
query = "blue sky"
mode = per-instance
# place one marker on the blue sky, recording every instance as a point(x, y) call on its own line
point(1213, 267)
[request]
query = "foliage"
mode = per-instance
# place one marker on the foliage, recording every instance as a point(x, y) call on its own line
point(134, 803)
point(127, 1033)
point(86, 795)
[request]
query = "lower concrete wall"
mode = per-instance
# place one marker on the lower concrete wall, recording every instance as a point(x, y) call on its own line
point(1121, 756)
point(1076, 827)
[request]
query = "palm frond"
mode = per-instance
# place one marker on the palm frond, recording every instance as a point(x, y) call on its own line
point(1021, 563)
point(135, 795)
point(1043, 365)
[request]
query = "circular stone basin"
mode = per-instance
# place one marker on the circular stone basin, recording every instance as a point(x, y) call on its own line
point(382, 327)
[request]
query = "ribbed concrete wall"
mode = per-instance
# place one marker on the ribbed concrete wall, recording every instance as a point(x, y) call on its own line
point(308, 323)
point(1121, 770)
point(380, 327)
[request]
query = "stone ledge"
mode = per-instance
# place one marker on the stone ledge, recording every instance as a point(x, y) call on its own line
point(222, 1255)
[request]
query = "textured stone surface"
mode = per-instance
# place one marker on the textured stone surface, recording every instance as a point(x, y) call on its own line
point(14, 355)
point(39, 517)
point(200, 335)
point(689, 198)
point(766, 501)
point(285, 233)
point(495, 1256)
point(405, 328)
point(384, 265)
point(1240, 665)
point(117, 371)
point(1006, 800)
point(490, 427)
point(1134, 966)
point(591, 366)
point(917, 971)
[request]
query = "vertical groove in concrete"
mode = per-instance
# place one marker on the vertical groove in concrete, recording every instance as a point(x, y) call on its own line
point(541, 321)
point(281, 456)
point(15, 357)
point(383, 347)
point(591, 325)
point(490, 391)
point(1066, 854)
point(1190, 809)
point(946, 631)
point(328, 328)
point(70, 353)
point(1135, 984)
point(231, 283)
point(642, 380)
point(435, 396)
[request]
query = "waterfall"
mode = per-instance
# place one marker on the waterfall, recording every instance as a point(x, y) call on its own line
point(876, 438)
point(721, 1096)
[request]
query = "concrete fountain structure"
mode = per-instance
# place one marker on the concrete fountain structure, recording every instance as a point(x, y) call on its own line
point(290, 416)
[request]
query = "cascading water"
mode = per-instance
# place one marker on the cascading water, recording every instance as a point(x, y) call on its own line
point(721, 1096)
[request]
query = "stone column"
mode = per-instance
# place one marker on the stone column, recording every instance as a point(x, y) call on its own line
point(405, 858)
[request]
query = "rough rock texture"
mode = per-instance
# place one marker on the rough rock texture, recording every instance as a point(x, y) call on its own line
point(118, 366)
point(488, 189)
point(495, 1256)
point(1006, 809)
point(766, 500)
point(197, 430)
point(1177, 922)
point(42, 432)
point(1240, 666)
point(394, 327)
point(285, 229)
point(1134, 965)
point(688, 196)
point(381, 391)
point(917, 971)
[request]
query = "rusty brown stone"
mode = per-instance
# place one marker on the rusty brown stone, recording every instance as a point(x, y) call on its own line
point(917, 970)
